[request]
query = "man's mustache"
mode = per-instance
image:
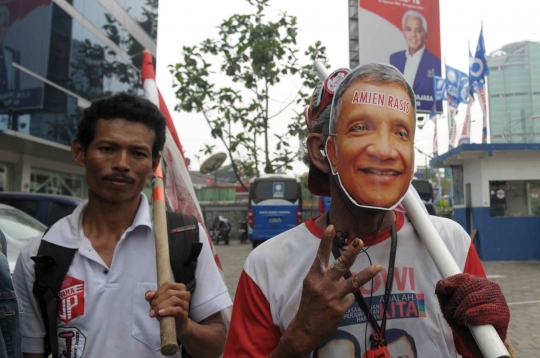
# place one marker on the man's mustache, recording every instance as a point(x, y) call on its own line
point(121, 177)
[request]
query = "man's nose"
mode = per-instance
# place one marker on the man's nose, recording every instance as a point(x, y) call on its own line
point(121, 162)
point(383, 147)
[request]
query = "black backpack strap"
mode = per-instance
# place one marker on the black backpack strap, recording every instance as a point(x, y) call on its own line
point(184, 247)
point(52, 264)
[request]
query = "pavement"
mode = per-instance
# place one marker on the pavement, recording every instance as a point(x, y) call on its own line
point(519, 280)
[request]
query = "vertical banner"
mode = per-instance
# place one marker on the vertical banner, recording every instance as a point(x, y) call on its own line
point(433, 117)
point(466, 131)
point(452, 130)
point(481, 93)
point(435, 141)
point(406, 35)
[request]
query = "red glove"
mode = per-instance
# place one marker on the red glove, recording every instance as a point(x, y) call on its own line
point(466, 299)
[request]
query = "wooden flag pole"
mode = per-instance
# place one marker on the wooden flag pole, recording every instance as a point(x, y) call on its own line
point(169, 342)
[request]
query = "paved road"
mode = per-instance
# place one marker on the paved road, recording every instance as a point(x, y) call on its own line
point(520, 282)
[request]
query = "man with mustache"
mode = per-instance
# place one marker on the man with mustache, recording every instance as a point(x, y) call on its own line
point(109, 303)
point(300, 291)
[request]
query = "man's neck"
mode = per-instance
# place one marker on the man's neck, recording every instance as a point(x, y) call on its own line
point(107, 220)
point(421, 49)
point(357, 222)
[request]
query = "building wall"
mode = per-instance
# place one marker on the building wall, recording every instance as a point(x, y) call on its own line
point(502, 238)
point(514, 93)
point(82, 48)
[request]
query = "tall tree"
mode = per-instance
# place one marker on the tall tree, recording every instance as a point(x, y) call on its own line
point(254, 54)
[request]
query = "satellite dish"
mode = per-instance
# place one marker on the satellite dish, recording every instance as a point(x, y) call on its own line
point(213, 163)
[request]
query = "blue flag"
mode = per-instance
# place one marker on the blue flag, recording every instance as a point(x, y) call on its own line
point(439, 88)
point(432, 112)
point(457, 85)
point(479, 69)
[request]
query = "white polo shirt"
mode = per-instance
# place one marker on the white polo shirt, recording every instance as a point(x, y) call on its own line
point(102, 311)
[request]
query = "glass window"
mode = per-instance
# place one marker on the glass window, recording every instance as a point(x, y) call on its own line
point(27, 205)
point(275, 188)
point(144, 12)
point(59, 210)
point(458, 187)
point(51, 182)
point(18, 225)
point(514, 198)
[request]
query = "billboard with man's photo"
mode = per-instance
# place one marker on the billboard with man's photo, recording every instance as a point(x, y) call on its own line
point(405, 34)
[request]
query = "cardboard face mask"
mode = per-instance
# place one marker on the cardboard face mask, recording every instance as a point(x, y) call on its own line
point(371, 149)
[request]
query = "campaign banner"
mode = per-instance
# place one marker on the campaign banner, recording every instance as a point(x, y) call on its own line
point(457, 85)
point(481, 93)
point(466, 131)
point(406, 34)
point(452, 130)
point(25, 31)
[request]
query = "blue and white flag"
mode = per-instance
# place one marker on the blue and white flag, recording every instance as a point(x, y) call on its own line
point(478, 67)
point(439, 88)
point(457, 85)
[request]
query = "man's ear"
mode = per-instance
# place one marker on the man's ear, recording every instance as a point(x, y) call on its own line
point(155, 163)
point(331, 152)
point(315, 146)
point(78, 153)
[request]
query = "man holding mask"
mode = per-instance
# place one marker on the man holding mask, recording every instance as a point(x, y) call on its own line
point(300, 291)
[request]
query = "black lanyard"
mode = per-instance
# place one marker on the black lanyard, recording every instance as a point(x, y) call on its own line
point(377, 338)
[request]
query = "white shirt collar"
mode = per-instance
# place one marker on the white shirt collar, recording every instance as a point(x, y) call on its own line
point(417, 54)
point(60, 235)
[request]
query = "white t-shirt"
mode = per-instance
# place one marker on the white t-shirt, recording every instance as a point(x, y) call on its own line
point(270, 288)
point(102, 311)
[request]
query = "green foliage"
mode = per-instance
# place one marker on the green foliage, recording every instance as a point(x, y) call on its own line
point(254, 54)
point(443, 207)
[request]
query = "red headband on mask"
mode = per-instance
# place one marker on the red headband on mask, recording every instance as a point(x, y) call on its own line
point(322, 96)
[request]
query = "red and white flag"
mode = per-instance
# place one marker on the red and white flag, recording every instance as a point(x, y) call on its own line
point(452, 129)
point(466, 131)
point(481, 93)
point(178, 186)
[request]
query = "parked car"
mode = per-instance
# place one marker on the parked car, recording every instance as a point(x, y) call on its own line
point(424, 189)
point(44, 207)
point(430, 207)
point(17, 228)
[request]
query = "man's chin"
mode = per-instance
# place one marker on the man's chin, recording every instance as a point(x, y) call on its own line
point(376, 201)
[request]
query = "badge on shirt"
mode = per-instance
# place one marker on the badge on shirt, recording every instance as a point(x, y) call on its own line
point(71, 342)
point(71, 299)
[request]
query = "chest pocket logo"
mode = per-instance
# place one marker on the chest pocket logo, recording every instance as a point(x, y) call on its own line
point(71, 299)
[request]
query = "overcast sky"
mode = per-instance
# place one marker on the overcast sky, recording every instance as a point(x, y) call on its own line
point(186, 23)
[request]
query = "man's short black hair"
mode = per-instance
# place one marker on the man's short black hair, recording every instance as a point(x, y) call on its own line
point(126, 106)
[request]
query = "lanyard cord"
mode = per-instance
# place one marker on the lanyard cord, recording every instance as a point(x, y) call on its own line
point(377, 340)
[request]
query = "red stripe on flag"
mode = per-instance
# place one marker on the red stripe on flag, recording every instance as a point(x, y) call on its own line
point(170, 124)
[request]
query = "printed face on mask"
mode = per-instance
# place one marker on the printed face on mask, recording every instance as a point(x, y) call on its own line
point(373, 150)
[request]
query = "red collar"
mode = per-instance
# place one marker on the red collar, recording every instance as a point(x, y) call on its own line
point(369, 240)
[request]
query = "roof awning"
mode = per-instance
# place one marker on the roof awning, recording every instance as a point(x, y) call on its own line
point(20, 143)
point(467, 152)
